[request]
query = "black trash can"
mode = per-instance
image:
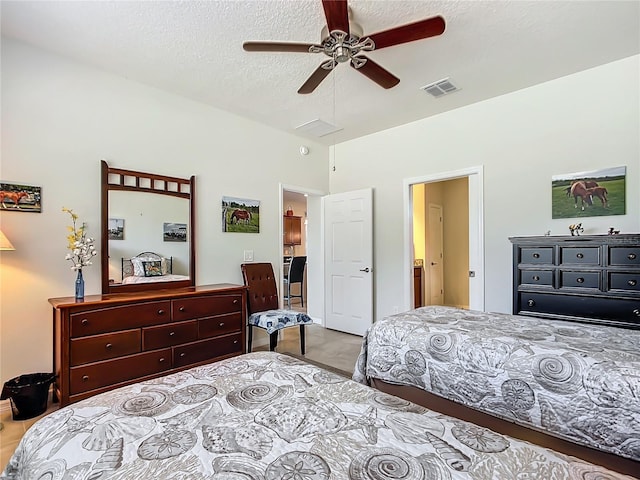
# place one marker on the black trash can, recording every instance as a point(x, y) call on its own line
point(29, 394)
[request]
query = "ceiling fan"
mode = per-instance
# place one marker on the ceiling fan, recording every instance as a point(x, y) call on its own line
point(343, 41)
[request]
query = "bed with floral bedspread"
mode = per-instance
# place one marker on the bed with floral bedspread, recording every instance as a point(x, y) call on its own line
point(574, 381)
point(267, 416)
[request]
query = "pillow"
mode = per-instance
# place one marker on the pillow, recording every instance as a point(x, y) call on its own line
point(152, 268)
point(138, 264)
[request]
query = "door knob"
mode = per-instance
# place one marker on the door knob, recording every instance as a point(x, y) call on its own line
point(365, 270)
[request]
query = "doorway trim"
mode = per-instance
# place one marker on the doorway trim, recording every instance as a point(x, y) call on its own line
point(475, 176)
point(314, 248)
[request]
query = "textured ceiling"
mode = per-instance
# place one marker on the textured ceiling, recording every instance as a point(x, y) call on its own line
point(194, 49)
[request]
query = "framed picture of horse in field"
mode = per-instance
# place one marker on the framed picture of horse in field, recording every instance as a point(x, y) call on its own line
point(17, 197)
point(240, 215)
point(593, 193)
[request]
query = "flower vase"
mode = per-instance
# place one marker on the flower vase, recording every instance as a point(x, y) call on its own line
point(79, 286)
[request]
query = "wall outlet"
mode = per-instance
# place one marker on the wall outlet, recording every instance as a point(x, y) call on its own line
point(248, 255)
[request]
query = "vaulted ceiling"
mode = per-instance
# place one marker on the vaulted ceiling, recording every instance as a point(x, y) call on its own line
point(194, 49)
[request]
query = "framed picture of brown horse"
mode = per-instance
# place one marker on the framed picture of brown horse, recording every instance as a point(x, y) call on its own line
point(16, 197)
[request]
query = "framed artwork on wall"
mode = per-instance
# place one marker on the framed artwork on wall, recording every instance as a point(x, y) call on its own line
point(240, 215)
point(116, 229)
point(16, 197)
point(174, 232)
point(589, 194)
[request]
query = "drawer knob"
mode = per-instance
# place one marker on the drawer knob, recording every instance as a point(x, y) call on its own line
point(221, 324)
point(182, 354)
point(632, 283)
point(235, 342)
point(160, 312)
point(536, 255)
point(171, 334)
point(536, 278)
point(85, 378)
point(580, 255)
point(84, 321)
point(531, 303)
point(235, 301)
point(108, 346)
point(161, 360)
point(181, 309)
point(580, 280)
point(636, 312)
point(631, 256)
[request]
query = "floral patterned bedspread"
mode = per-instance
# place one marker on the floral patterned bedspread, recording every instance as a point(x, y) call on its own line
point(266, 416)
point(576, 381)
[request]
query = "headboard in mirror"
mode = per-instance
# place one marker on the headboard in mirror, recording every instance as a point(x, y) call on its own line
point(148, 231)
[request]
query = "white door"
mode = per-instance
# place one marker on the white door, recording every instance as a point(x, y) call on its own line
point(435, 266)
point(348, 243)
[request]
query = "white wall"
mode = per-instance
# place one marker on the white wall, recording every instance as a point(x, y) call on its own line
point(584, 121)
point(59, 119)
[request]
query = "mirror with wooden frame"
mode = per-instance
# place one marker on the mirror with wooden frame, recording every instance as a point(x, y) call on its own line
point(148, 231)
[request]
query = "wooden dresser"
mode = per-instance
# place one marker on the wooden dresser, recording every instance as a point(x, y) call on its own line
point(108, 341)
point(590, 278)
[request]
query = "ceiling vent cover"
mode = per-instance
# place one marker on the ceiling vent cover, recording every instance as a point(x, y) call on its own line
point(318, 127)
point(440, 88)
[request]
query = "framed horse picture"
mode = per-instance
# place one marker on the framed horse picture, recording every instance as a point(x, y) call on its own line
point(17, 197)
point(240, 215)
point(589, 194)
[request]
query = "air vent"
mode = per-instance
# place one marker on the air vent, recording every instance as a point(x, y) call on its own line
point(440, 88)
point(318, 128)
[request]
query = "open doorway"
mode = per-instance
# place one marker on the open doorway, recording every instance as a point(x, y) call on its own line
point(444, 248)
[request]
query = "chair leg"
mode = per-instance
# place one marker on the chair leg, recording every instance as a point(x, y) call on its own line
point(273, 341)
point(301, 295)
point(250, 336)
point(302, 339)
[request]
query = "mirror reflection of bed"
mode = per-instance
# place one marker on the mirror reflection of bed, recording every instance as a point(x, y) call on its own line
point(148, 267)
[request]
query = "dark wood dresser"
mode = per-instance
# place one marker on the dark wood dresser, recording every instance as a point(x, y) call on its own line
point(590, 278)
point(108, 341)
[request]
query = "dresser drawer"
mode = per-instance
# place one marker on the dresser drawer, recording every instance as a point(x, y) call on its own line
point(579, 256)
point(579, 279)
point(189, 308)
point(536, 277)
point(624, 281)
point(541, 255)
point(207, 349)
point(169, 335)
point(119, 318)
point(102, 347)
point(581, 306)
point(220, 325)
point(110, 372)
point(624, 256)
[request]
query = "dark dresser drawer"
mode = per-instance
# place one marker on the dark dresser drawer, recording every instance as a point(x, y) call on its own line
point(581, 306)
point(624, 281)
point(541, 255)
point(207, 349)
point(624, 256)
point(169, 335)
point(189, 308)
point(579, 256)
point(119, 318)
point(103, 347)
point(220, 325)
point(96, 375)
point(574, 279)
point(536, 277)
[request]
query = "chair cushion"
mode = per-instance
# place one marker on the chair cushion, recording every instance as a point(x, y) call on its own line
point(273, 320)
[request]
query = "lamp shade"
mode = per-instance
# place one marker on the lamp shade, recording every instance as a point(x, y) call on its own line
point(5, 244)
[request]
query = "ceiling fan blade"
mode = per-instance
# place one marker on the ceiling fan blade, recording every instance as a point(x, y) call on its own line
point(314, 80)
point(278, 47)
point(410, 32)
point(337, 15)
point(375, 72)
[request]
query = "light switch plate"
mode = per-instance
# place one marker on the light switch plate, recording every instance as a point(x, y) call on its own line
point(248, 255)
